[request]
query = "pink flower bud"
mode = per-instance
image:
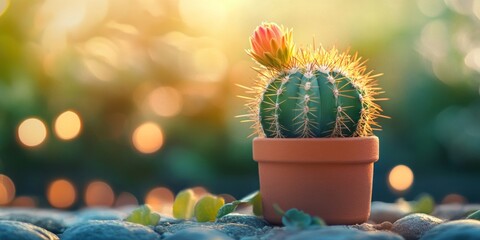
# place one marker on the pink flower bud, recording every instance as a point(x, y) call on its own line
point(271, 45)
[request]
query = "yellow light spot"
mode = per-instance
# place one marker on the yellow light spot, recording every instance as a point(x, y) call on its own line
point(68, 125)
point(126, 199)
point(99, 193)
point(160, 199)
point(61, 193)
point(7, 189)
point(165, 101)
point(147, 138)
point(400, 178)
point(4, 6)
point(32, 132)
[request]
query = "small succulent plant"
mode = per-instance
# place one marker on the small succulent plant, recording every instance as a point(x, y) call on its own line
point(311, 91)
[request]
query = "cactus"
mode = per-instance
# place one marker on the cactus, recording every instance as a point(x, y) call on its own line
point(311, 92)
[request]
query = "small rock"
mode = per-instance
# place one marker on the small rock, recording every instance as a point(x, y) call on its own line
point(198, 234)
point(49, 223)
point(455, 211)
point(387, 212)
point(342, 233)
point(109, 230)
point(373, 227)
point(99, 214)
point(459, 229)
point(413, 226)
point(234, 230)
point(249, 220)
point(237, 230)
point(13, 230)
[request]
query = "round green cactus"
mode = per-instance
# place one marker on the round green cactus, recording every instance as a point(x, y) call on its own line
point(313, 93)
point(310, 103)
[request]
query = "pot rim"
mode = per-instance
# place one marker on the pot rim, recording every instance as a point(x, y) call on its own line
point(316, 150)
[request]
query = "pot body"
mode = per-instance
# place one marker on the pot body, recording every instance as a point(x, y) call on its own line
point(326, 177)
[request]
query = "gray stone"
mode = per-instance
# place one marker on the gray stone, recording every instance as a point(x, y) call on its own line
point(198, 234)
point(459, 229)
point(99, 214)
point(13, 230)
point(249, 220)
point(390, 212)
point(109, 230)
point(234, 230)
point(373, 227)
point(454, 211)
point(413, 226)
point(342, 233)
point(51, 224)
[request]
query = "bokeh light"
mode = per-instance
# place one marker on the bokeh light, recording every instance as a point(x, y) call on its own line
point(147, 138)
point(61, 193)
point(99, 193)
point(126, 199)
point(400, 178)
point(68, 125)
point(24, 202)
point(7, 189)
point(165, 101)
point(160, 199)
point(4, 6)
point(32, 132)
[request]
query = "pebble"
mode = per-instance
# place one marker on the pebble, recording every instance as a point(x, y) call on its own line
point(198, 234)
point(99, 214)
point(413, 226)
point(249, 220)
point(233, 230)
point(13, 230)
point(387, 212)
point(459, 229)
point(342, 233)
point(109, 230)
point(51, 224)
point(454, 211)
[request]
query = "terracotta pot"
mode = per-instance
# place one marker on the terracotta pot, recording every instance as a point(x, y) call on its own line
point(326, 177)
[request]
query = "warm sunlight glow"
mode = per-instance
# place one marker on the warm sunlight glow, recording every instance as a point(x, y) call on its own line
point(32, 132)
point(209, 65)
point(99, 193)
point(68, 125)
point(126, 199)
point(165, 101)
point(61, 193)
point(160, 199)
point(147, 138)
point(400, 178)
point(7, 189)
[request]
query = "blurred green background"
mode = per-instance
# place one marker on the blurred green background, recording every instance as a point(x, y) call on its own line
point(149, 96)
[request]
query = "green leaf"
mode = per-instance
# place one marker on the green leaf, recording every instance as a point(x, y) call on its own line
point(255, 199)
point(475, 215)
point(297, 219)
point(424, 204)
point(228, 208)
point(143, 215)
point(207, 208)
point(184, 204)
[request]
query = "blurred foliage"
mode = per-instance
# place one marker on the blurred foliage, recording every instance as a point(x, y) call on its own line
point(115, 63)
